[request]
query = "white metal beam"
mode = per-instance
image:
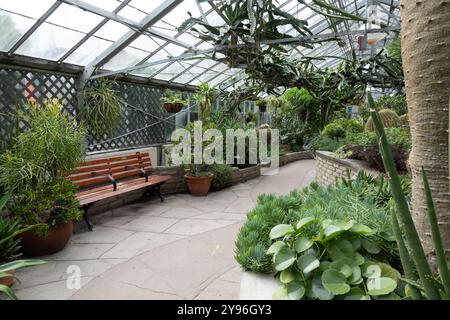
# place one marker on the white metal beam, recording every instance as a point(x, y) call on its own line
point(152, 18)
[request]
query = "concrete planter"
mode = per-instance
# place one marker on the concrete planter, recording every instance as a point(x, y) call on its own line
point(257, 286)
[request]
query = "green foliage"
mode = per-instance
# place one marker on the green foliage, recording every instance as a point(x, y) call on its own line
point(336, 261)
point(50, 146)
point(170, 96)
point(9, 250)
point(335, 203)
point(377, 188)
point(204, 96)
point(222, 176)
point(389, 119)
point(341, 127)
point(101, 109)
point(298, 118)
point(395, 103)
point(6, 268)
point(395, 50)
point(49, 204)
point(324, 143)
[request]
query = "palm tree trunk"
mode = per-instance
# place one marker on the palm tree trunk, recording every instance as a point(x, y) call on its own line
point(426, 63)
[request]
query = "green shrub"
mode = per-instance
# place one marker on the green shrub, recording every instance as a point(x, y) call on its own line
point(51, 145)
point(50, 204)
point(337, 261)
point(222, 176)
point(335, 203)
point(297, 118)
point(323, 143)
point(395, 103)
point(342, 127)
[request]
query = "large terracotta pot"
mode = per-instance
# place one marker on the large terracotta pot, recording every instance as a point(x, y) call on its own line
point(198, 186)
point(56, 240)
point(173, 107)
point(8, 281)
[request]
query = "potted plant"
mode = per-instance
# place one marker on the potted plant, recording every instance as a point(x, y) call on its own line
point(262, 105)
point(172, 102)
point(198, 180)
point(10, 248)
point(35, 172)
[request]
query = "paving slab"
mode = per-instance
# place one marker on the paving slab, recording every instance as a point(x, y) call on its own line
point(181, 212)
point(149, 224)
point(191, 227)
point(102, 234)
point(81, 251)
point(138, 243)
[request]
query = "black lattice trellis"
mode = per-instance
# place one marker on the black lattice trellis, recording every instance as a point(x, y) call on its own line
point(18, 85)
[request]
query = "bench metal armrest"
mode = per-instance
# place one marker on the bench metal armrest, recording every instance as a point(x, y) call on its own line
point(110, 177)
point(144, 173)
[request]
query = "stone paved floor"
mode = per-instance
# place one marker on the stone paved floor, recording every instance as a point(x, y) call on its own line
point(180, 249)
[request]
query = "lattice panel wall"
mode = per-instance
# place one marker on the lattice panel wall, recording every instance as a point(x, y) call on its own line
point(140, 125)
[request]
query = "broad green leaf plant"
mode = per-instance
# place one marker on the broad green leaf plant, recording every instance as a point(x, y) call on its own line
point(337, 263)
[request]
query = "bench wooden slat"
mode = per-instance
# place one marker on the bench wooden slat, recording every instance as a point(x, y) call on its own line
point(110, 166)
point(84, 176)
point(107, 189)
point(112, 159)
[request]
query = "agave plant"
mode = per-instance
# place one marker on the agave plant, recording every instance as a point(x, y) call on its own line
point(6, 268)
point(422, 282)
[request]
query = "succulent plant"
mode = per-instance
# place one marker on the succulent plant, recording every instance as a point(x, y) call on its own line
point(389, 119)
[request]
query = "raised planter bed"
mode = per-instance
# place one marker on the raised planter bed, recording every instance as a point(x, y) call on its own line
point(331, 169)
point(257, 286)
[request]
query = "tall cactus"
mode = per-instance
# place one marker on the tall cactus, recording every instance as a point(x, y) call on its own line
point(389, 119)
point(403, 211)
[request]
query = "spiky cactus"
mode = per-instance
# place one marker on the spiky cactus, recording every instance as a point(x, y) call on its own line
point(404, 120)
point(389, 119)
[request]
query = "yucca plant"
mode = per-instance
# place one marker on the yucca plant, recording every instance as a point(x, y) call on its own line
point(413, 256)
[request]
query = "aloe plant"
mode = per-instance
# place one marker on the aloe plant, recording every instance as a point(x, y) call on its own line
point(403, 214)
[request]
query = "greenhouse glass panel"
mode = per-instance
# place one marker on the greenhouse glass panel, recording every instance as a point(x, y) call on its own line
point(88, 51)
point(74, 18)
point(28, 8)
point(50, 42)
point(126, 58)
point(16, 25)
point(112, 31)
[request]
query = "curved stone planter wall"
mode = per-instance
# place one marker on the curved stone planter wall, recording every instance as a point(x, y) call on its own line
point(331, 169)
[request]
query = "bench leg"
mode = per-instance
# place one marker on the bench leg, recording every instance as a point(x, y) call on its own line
point(158, 192)
point(86, 217)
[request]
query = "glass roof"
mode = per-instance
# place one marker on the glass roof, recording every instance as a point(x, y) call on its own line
point(121, 35)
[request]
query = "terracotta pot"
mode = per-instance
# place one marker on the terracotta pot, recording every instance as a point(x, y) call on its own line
point(56, 240)
point(8, 281)
point(173, 107)
point(198, 186)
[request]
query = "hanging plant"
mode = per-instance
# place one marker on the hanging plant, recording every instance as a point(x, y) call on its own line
point(100, 108)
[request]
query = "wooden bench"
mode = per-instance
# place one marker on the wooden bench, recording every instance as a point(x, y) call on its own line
point(106, 178)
